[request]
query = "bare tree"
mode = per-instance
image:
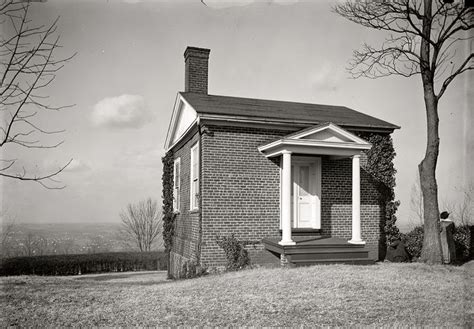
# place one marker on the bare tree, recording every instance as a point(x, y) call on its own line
point(28, 244)
point(142, 223)
point(28, 67)
point(428, 38)
point(6, 234)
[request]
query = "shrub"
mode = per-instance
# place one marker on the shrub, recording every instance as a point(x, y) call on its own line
point(83, 263)
point(462, 240)
point(236, 255)
point(413, 241)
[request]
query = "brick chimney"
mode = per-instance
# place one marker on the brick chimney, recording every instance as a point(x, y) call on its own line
point(196, 69)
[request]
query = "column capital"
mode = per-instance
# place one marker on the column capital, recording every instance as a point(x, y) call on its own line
point(286, 152)
point(356, 156)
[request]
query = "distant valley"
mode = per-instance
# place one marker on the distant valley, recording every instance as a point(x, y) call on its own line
point(33, 239)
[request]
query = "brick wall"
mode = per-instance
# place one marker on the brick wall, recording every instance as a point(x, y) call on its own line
point(336, 203)
point(240, 190)
point(186, 236)
point(240, 194)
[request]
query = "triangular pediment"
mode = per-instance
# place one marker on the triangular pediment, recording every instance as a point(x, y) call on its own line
point(325, 139)
point(327, 136)
point(183, 117)
point(327, 132)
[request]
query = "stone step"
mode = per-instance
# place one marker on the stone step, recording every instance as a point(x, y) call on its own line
point(353, 261)
point(329, 254)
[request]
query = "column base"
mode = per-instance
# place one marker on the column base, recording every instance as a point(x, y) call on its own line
point(356, 241)
point(287, 243)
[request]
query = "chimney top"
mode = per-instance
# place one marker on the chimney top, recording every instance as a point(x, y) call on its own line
point(196, 69)
point(196, 52)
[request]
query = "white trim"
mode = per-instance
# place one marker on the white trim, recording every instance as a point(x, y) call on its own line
point(195, 122)
point(176, 187)
point(192, 198)
point(179, 104)
point(327, 126)
point(296, 144)
point(312, 142)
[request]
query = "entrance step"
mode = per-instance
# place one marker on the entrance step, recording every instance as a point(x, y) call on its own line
point(354, 261)
point(319, 250)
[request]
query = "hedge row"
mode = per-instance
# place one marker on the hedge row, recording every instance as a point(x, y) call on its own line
point(83, 263)
point(463, 240)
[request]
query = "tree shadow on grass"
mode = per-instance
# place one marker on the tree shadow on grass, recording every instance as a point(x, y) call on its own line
point(129, 279)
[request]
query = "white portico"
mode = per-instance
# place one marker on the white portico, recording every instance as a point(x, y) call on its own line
point(301, 175)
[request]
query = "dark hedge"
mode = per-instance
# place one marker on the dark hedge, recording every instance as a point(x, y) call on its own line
point(463, 240)
point(83, 263)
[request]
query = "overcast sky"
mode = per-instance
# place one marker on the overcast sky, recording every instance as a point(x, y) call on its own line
point(129, 66)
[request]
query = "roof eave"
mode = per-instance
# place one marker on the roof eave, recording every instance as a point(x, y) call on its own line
point(282, 122)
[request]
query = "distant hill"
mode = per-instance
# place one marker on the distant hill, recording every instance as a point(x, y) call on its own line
point(66, 238)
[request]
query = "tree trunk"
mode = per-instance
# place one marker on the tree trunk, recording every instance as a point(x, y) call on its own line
point(431, 252)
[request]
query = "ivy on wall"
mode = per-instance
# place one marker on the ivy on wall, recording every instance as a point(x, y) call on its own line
point(381, 169)
point(168, 213)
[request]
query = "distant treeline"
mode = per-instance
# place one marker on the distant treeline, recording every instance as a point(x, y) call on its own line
point(83, 263)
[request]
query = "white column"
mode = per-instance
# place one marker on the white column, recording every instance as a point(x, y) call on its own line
point(286, 200)
point(356, 236)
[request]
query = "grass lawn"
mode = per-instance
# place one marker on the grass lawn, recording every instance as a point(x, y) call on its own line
point(331, 295)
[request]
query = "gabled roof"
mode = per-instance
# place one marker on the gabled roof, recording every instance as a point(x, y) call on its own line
point(290, 112)
point(325, 139)
point(190, 108)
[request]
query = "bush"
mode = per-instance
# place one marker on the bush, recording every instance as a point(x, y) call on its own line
point(413, 241)
point(462, 240)
point(83, 263)
point(236, 255)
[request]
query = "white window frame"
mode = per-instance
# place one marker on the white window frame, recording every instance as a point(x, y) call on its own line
point(176, 185)
point(194, 188)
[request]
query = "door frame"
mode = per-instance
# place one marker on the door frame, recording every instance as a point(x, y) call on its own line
point(298, 160)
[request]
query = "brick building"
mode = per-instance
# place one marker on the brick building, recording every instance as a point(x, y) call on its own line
point(287, 176)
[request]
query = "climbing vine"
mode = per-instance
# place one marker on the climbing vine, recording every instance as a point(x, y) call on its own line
point(381, 169)
point(168, 213)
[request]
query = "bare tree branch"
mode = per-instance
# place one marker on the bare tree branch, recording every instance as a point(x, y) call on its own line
point(28, 66)
point(43, 180)
point(400, 53)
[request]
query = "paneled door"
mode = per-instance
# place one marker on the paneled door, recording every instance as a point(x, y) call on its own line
point(306, 192)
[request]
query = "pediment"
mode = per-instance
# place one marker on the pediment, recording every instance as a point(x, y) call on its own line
point(182, 119)
point(325, 139)
point(328, 132)
point(328, 136)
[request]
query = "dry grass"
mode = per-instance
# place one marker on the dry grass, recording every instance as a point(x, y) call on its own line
point(335, 295)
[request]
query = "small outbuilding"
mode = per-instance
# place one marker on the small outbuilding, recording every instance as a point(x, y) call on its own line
point(286, 176)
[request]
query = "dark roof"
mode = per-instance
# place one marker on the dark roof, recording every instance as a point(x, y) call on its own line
point(282, 111)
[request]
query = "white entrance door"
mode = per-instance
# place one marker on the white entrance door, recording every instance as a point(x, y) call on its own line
point(306, 192)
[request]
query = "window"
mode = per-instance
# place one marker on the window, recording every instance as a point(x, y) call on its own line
point(194, 177)
point(176, 184)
